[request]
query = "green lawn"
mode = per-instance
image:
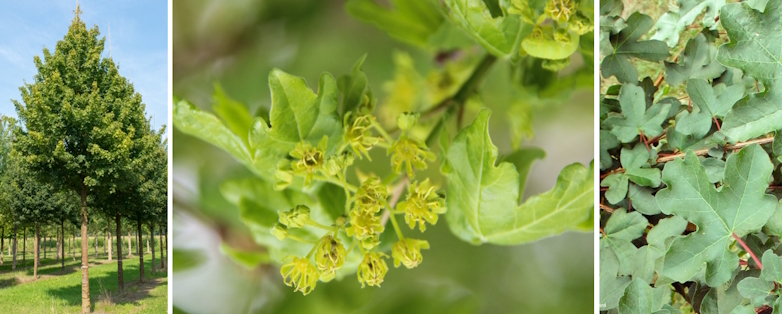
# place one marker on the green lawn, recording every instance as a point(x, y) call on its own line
point(60, 292)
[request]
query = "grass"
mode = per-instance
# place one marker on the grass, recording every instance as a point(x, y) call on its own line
point(56, 291)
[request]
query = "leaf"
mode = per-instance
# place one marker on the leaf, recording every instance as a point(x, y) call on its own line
point(755, 38)
point(190, 120)
point(607, 141)
point(646, 257)
point(187, 259)
point(671, 24)
point(635, 117)
point(249, 260)
point(696, 61)
point(622, 228)
point(500, 36)
point(636, 169)
point(612, 287)
point(643, 200)
point(709, 104)
point(523, 160)
point(760, 290)
point(739, 207)
point(641, 298)
point(235, 114)
point(482, 198)
point(297, 114)
point(625, 44)
point(411, 21)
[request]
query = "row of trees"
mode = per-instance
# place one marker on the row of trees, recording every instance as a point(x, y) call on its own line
point(83, 148)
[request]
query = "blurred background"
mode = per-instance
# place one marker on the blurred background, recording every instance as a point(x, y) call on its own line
point(237, 43)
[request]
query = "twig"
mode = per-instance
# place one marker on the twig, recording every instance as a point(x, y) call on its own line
point(395, 195)
point(467, 88)
point(606, 208)
point(705, 151)
point(746, 248)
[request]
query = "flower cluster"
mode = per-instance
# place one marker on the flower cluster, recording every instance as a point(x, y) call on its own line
point(367, 207)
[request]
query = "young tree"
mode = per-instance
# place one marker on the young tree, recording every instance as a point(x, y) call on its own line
point(71, 135)
point(31, 200)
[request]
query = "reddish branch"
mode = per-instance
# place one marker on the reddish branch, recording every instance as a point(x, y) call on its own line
point(705, 151)
point(746, 248)
point(606, 208)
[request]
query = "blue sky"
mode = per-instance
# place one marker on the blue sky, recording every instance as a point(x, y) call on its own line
point(139, 44)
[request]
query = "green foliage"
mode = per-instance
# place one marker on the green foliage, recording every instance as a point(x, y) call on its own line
point(316, 206)
point(687, 240)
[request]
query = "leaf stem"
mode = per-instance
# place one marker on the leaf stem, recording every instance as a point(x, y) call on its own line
point(335, 181)
point(295, 238)
point(746, 248)
point(396, 194)
point(381, 131)
point(341, 177)
point(318, 225)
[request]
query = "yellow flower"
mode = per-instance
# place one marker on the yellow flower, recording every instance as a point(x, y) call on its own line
point(301, 274)
point(329, 257)
point(408, 252)
point(363, 225)
point(410, 152)
point(422, 205)
point(560, 10)
point(372, 270)
point(358, 133)
point(371, 196)
point(310, 159)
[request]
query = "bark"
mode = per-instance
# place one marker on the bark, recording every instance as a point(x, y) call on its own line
point(152, 236)
point(119, 253)
point(165, 237)
point(85, 264)
point(108, 244)
point(95, 242)
point(147, 246)
point(62, 246)
point(24, 245)
point(162, 257)
point(2, 234)
point(44, 248)
point(13, 255)
point(130, 245)
point(140, 253)
point(37, 252)
point(56, 246)
point(104, 243)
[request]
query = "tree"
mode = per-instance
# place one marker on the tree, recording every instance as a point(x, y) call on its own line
point(70, 134)
point(32, 201)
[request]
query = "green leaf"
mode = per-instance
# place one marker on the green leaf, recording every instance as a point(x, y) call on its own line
point(607, 141)
point(646, 257)
point(500, 36)
point(739, 207)
point(776, 147)
point(622, 228)
point(523, 160)
point(636, 169)
point(643, 200)
point(759, 290)
point(190, 120)
point(710, 105)
point(696, 61)
point(641, 298)
point(625, 44)
point(411, 21)
point(248, 259)
point(635, 117)
point(297, 114)
point(755, 38)
point(612, 287)
point(482, 198)
point(235, 114)
point(187, 259)
point(671, 24)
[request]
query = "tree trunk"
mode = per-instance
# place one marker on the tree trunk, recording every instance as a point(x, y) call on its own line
point(130, 245)
point(162, 257)
point(13, 255)
point(108, 244)
point(44, 248)
point(62, 247)
point(95, 243)
point(152, 236)
point(140, 253)
point(56, 246)
point(2, 234)
point(147, 246)
point(24, 246)
point(165, 237)
point(85, 263)
point(119, 252)
point(37, 252)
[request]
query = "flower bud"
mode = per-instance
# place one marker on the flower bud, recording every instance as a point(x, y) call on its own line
point(301, 274)
point(371, 195)
point(580, 24)
point(407, 120)
point(372, 269)
point(296, 217)
point(280, 231)
point(408, 252)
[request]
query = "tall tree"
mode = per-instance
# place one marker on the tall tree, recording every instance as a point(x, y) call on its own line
point(71, 135)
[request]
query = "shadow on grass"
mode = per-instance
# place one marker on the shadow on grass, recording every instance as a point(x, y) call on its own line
point(134, 290)
point(10, 282)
